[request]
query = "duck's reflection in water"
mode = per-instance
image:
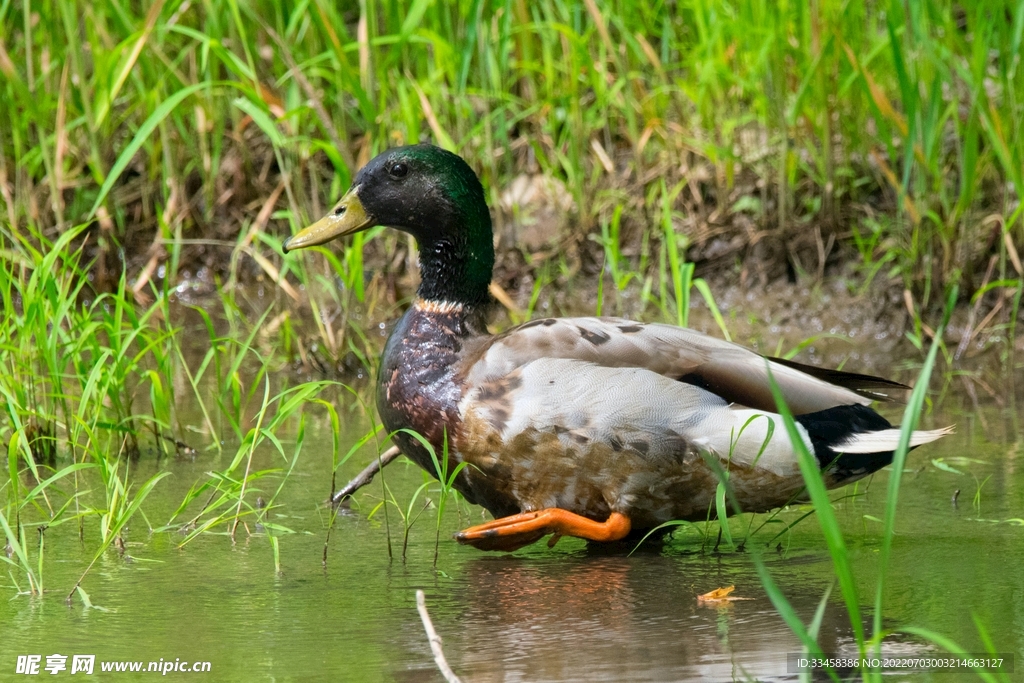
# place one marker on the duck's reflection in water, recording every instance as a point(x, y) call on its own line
point(613, 618)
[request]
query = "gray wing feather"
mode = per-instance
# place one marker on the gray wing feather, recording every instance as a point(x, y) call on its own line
point(728, 370)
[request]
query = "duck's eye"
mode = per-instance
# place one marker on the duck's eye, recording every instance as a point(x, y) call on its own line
point(398, 170)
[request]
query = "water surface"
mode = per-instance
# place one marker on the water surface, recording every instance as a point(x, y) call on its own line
point(572, 613)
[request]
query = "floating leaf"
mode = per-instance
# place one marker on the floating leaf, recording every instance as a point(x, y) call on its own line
point(720, 595)
point(717, 594)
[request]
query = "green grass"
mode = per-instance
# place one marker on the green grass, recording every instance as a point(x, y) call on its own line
point(92, 383)
point(894, 127)
point(868, 634)
point(869, 644)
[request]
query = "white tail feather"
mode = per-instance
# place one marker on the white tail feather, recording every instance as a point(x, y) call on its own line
point(887, 440)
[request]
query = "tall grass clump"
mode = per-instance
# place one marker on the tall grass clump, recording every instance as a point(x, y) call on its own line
point(71, 369)
point(91, 383)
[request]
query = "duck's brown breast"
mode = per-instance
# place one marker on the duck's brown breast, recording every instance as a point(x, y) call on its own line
point(419, 389)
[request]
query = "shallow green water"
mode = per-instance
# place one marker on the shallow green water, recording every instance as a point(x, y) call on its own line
point(567, 614)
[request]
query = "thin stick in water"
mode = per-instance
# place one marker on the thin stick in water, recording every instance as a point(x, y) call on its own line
point(435, 640)
point(366, 476)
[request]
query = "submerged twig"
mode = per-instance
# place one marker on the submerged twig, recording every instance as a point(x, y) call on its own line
point(366, 476)
point(435, 640)
point(179, 445)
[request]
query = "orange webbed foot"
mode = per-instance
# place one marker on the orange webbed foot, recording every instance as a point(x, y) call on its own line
point(516, 531)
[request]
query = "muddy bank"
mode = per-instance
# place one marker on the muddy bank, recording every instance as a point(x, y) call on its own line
point(801, 289)
point(833, 322)
point(731, 229)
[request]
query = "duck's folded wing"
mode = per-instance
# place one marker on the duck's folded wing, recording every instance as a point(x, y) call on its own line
point(728, 370)
point(565, 408)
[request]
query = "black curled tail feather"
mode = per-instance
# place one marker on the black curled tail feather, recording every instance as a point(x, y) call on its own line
point(830, 427)
point(868, 386)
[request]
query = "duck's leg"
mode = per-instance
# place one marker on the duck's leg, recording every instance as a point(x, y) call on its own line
point(509, 533)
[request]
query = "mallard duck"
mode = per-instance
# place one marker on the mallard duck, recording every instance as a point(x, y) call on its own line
point(585, 427)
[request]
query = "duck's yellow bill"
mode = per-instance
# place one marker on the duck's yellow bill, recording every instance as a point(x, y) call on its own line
point(347, 217)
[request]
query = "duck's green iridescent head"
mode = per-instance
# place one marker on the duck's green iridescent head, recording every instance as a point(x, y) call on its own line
point(436, 197)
